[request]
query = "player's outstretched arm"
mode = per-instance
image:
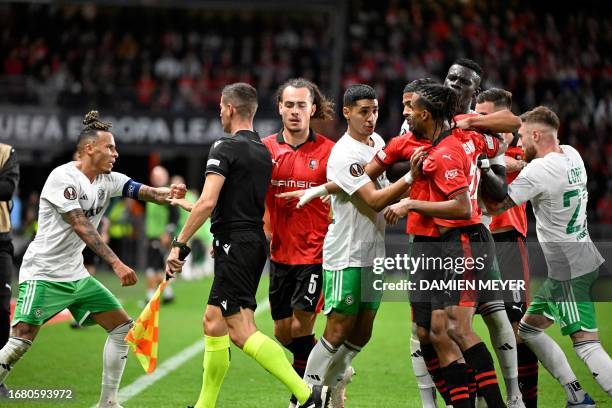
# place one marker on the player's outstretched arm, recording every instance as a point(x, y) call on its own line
point(379, 199)
point(162, 195)
point(494, 186)
point(200, 212)
point(502, 121)
point(88, 233)
point(306, 196)
point(498, 207)
point(457, 208)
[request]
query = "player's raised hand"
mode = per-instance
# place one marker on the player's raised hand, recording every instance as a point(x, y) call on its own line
point(181, 202)
point(174, 264)
point(416, 162)
point(126, 275)
point(464, 124)
point(178, 190)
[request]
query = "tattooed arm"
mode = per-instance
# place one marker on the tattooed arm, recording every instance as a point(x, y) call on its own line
point(88, 233)
point(495, 208)
point(161, 195)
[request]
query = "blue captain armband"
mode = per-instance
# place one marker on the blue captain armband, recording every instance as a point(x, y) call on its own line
point(131, 189)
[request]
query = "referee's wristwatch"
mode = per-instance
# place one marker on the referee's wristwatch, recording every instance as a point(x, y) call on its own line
point(177, 244)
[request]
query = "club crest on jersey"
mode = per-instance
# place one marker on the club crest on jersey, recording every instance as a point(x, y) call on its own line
point(313, 164)
point(356, 170)
point(101, 194)
point(70, 193)
point(451, 174)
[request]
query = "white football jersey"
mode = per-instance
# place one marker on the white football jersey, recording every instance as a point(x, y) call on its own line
point(56, 252)
point(357, 233)
point(556, 185)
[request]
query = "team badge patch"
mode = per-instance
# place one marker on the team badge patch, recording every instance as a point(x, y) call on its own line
point(313, 164)
point(451, 174)
point(356, 170)
point(70, 193)
point(101, 194)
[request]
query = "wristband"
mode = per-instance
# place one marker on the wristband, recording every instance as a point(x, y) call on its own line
point(408, 178)
point(312, 192)
point(498, 160)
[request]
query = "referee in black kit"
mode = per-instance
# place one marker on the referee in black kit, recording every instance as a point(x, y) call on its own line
point(238, 173)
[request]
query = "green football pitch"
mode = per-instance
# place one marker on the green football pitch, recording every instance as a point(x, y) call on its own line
point(64, 358)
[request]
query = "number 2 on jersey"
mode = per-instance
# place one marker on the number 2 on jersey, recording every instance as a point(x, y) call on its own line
point(567, 196)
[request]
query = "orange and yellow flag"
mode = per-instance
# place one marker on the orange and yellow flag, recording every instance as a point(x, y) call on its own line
point(142, 337)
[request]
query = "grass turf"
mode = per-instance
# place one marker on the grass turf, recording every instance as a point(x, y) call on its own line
point(63, 358)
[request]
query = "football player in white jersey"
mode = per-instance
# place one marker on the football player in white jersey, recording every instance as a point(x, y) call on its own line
point(555, 182)
point(52, 276)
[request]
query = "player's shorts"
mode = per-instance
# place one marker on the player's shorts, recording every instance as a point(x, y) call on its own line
point(472, 262)
point(294, 287)
point(240, 257)
point(89, 256)
point(343, 291)
point(423, 302)
point(567, 302)
point(40, 300)
point(513, 260)
point(156, 255)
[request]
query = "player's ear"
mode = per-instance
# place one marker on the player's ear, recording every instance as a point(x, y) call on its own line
point(280, 107)
point(313, 110)
point(345, 112)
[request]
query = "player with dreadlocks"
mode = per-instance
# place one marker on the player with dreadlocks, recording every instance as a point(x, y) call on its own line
point(450, 169)
point(52, 276)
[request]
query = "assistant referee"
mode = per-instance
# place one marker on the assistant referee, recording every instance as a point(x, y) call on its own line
point(238, 173)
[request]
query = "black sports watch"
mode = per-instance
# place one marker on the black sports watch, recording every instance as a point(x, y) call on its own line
point(177, 244)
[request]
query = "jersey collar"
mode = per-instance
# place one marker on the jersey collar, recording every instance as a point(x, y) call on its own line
point(442, 136)
point(281, 140)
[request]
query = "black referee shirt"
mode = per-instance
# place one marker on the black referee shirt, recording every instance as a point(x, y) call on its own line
point(246, 164)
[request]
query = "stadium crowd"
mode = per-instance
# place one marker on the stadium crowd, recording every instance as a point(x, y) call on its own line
point(178, 60)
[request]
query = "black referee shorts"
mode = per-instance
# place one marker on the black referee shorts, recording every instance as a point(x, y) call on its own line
point(513, 261)
point(240, 257)
point(294, 287)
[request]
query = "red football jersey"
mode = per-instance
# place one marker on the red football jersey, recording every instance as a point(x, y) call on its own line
point(451, 169)
point(486, 144)
point(401, 148)
point(515, 217)
point(297, 234)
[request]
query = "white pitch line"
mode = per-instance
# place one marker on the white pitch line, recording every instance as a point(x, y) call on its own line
point(145, 381)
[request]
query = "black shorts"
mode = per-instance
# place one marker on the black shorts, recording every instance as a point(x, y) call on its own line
point(240, 257)
point(470, 251)
point(156, 255)
point(294, 287)
point(424, 301)
point(513, 259)
point(89, 256)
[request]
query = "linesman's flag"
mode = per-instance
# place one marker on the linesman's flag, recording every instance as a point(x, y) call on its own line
point(142, 337)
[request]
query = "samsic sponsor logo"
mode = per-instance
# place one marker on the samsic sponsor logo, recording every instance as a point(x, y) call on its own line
point(293, 183)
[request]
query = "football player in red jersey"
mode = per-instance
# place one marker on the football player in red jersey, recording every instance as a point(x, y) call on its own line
point(509, 230)
point(450, 168)
point(464, 76)
point(299, 158)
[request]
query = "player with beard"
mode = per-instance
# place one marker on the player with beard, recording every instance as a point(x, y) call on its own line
point(555, 182)
point(299, 158)
point(450, 167)
point(509, 230)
